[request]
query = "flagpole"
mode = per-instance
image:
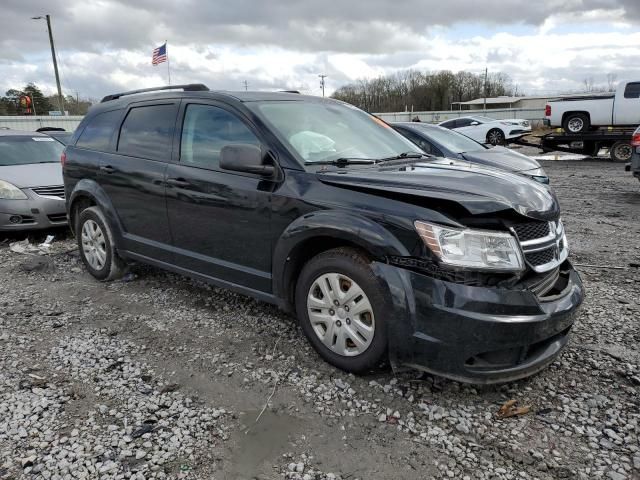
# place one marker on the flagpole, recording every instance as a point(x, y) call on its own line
point(168, 64)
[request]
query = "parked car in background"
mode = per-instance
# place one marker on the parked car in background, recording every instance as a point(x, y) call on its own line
point(488, 130)
point(442, 142)
point(326, 211)
point(31, 186)
point(579, 114)
point(634, 165)
point(59, 134)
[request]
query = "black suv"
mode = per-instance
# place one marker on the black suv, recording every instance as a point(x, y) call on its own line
point(326, 211)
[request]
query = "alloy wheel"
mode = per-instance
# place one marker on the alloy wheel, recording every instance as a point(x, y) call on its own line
point(94, 246)
point(341, 314)
point(575, 125)
point(496, 137)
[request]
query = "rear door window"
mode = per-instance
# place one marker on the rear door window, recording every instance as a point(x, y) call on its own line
point(147, 132)
point(205, 130)
point(632, 90)
point(99, 131)
point(463, 122)
point(449, 124)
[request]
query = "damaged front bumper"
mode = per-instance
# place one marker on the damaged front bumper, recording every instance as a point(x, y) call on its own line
point(478, 334)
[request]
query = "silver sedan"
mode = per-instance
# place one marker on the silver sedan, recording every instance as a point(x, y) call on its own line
point(31, 185)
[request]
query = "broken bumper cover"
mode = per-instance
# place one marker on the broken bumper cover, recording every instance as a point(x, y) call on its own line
point(481, 334)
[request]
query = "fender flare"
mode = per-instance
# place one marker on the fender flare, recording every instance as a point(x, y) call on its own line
point(91, 189)
point(348, 226)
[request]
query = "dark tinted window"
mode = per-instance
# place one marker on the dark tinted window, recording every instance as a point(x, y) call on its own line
point(206, 129)
point(417, 139)
point(463, 122)
point(99, 131)
point(632, 90)
point(147, 132)
point(448, 124)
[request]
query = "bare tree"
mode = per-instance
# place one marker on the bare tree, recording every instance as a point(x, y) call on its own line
point(411, 89)
point(612, 80)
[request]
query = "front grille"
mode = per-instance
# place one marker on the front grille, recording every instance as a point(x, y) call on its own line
point(541, 257)
point(543, 283)
point(531, 230)
point(53, 191)
point(58, 217)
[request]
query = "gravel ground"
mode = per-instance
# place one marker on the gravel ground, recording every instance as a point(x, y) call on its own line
point(158, 376)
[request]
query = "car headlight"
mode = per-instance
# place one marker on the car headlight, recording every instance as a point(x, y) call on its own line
point(8, 191)
point(476, 249)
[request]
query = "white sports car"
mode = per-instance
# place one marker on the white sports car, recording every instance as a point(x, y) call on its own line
point(488, 130)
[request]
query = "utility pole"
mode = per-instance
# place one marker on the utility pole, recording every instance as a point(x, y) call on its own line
point(486, 71)
point(322, 77)
point(246, 85)
point(55, 61)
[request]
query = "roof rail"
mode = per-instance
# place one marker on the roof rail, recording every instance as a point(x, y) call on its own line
point(191, 87)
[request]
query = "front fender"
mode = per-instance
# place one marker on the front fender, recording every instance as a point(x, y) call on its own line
point(87, 188)
point(348, 226)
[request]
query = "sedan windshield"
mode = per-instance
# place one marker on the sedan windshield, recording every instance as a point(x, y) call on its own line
point(451, 140)
point(321, 132)
point(23, 150)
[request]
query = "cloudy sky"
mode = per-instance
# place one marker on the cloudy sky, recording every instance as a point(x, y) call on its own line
point(546, 46)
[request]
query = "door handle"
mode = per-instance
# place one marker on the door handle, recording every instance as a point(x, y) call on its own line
point(178, 182)
point(107, 169)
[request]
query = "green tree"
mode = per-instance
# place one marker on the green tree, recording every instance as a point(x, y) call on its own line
point(40, 102)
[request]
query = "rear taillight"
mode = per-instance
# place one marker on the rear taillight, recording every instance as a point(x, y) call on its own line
point(635, 139)
point(63, 158)
point(547, 111)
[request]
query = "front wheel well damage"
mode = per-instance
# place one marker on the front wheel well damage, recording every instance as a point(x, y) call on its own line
point(79, 204)
point(303, 253)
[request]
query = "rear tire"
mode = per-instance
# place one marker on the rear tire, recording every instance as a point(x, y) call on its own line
point(342, 309)
point(576, 123)
point(495, 136)
point(97, 250)
point(621, 151)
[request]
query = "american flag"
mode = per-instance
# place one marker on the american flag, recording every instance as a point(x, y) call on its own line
point(159, 55)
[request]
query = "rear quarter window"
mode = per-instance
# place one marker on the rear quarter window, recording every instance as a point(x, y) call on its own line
point(147, 132)
point(99, 131)
point(632, 90)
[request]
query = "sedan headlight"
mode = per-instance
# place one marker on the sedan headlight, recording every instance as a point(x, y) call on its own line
point(8, 191)
point(476, 249)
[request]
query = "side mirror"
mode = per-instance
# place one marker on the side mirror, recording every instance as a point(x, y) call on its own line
point(473, 124)
point(245, 158)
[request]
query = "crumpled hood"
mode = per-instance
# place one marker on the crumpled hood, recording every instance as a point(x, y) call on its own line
point(33, 174)
point(478, 189)
point(504, 158)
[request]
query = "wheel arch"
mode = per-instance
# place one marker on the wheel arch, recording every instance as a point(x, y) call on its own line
point(573, 112)
point(314, 233)
point(87, 193)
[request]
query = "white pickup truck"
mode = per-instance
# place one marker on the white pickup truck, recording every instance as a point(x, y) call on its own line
point(579, 114)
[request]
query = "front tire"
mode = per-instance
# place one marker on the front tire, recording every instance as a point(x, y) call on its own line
point(97, 250)
point(495, 136)
point(576, 123)
point(342, 309)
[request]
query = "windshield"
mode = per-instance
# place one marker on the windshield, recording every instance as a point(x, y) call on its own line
point(483, 119)
point(452, 140)
point(22, 150)
point(324, 132)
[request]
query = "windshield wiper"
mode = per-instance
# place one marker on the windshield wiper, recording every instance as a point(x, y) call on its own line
point(405, 155)
point(342, 161)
